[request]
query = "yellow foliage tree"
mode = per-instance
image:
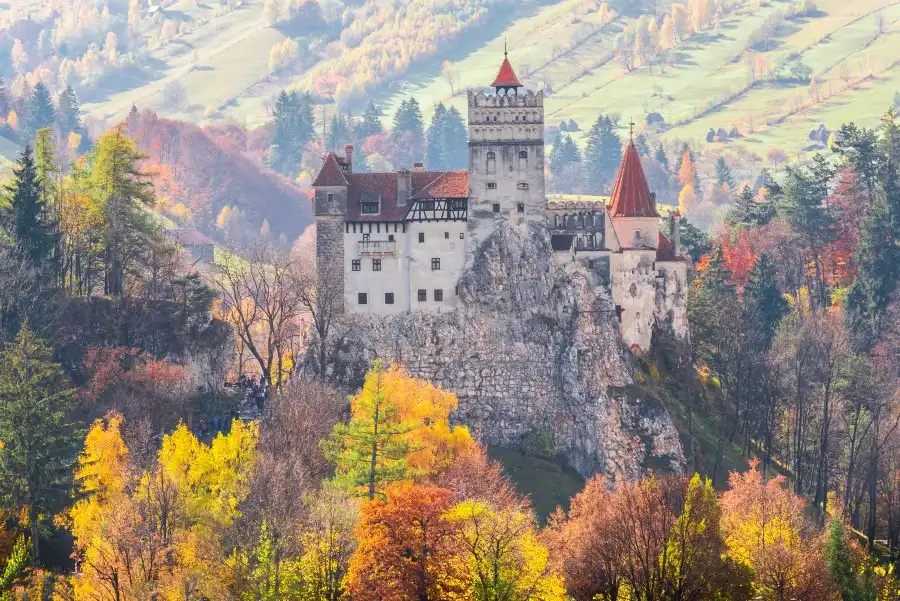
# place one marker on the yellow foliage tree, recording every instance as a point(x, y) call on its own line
point(687, 174)
point(686, 198)
point(506, 560)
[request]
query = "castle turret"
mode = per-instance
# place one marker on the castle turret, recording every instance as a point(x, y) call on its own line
point(632, 207)
point(506, 157)
point(330, 203)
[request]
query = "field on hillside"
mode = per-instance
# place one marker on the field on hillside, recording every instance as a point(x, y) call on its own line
point(856, 70)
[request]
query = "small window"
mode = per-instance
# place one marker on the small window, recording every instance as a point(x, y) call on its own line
point(496, 207)
point(355, 265)
point(421, 237)
point(388, 298)
point(446, 235)
point(362, 298)
point(391, 238)
point(461, 235)
point(517, 117)
point(369, 208)
point(365, 237)
point(330, 198)
point(556, 220)
point(376, 264)
point(491, 155)
point(522, 186)
point(590, 263)
point(638, 240)
point(423, 295)
point(491, 185)
point(520, 208)
point(435, 265)
point(523, 154)
point(491, 164)
point(438, 295)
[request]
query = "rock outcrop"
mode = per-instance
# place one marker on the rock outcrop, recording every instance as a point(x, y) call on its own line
point(532, 350)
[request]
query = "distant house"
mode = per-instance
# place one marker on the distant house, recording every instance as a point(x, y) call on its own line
point(199, 246)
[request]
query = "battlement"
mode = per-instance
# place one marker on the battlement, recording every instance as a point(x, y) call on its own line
point(485, 100)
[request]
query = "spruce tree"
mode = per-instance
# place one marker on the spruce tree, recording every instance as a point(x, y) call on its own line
point(723, 173)
point(339, 131)
point(763, 180)
point(69, 115)
point(643, 148)
point(408, 132)
point(40, 440)
point(456, 141)
point(370, 124)
point(40, 109)
point(763, 297)
point(435, 139)
point(839, 559)
point(602, 155)
point(294, 123)
point(743, 211)
point(30, 226)
point(556, 155)
point(661, 157)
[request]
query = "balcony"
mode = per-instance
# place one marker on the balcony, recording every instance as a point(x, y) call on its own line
point(377, 248)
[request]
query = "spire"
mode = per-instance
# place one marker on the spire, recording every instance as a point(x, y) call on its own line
point(631, 130)
point(506, 77)
point(631, 195)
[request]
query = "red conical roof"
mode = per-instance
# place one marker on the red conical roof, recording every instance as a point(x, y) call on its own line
point(331, 173)
point(506, 77)
point(631, 194)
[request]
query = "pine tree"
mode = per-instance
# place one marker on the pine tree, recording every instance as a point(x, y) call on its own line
point(723, 173)
point(69, 114)
point(556, 155)
point(339, 131)
point(40, 109)
point(294, 124)
point(763, 297)
point(408, 132)
point(602, 154)
point(662, 157)
point(763, 180)
point(40, 440)
point(436, 139)
point(370, 124)
point(456, 141)
point(743, 211)
point(30, 226)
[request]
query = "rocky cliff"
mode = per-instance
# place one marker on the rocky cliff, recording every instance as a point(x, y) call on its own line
point(532, 352)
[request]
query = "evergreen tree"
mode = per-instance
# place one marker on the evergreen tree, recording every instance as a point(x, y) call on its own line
point(456, 141)
point(642, 146)
point(694, 242)
point(556, 151)
point(339, 131)
point(839, 558)
point(69, 117)
point(661, 157)
point(602, 155)
point(743, 211)
point(859, 148)
point(723, 173)
point(408, 132)
point(40, 440)
point(31, 229)
point(435, 139)
point(132, 120)
point(763, 180)
point(40, 109)
point(294, 128)
point(370, 124)
point(763, 298)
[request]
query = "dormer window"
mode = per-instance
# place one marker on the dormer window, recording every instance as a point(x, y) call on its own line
point(369, 208)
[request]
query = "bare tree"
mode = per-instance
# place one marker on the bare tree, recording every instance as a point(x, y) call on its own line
point(321, 295)
point(260, 291)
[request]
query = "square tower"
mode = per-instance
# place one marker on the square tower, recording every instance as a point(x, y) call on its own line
point(506, 157)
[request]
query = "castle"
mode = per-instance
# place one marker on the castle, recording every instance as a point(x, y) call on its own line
point(400, 241)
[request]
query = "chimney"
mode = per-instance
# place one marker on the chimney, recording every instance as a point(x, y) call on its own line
point(675, 218)
point(348, 157)
point(403, 187)
point(418, 167)
point(653, 200)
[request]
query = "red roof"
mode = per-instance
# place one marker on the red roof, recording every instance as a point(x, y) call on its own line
point(382, 188)
point(664, 250)
point(631, 194)
point(506, 77)
point(331, 173)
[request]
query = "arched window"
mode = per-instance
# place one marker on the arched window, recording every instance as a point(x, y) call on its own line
point(589, 220)
point(491, 162)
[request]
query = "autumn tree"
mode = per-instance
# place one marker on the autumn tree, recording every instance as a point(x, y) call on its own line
point(408, 549)
point(40, 436)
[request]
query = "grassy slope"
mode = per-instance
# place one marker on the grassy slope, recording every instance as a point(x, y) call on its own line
point(712, 65)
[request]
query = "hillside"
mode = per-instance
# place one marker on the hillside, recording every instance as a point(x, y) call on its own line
point(717, 78)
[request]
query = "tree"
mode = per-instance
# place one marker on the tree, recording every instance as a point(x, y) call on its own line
point(370, 124)
point(687, 172)
point(40, 438)
point(723, 173)
point(40, 109)
point(662, 157)
point(763, 297)
point(294, 128)
point(839, 557)
point(408, 550)
point(408, 133)
point(31, 224)
point(68, 117)
point(328, 544)
point(506, 560)
point(4, 98)
point(602, 154)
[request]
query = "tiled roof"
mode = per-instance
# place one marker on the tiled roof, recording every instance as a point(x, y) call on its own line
point(331, 173)
point(664, 250)
point(631, 194)
point(383, 187)
point(506, 77)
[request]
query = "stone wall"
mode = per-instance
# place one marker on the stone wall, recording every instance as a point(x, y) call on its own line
point(531, 349)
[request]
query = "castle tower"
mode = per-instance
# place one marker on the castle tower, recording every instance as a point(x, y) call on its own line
point(330, 204)
point(506, 157)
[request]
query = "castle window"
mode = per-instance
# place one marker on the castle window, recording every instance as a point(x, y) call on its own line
point(369, 208)
point(461, 235)
point(523, 160)
point(590, 263)
point(423, 295)
point(365, 237)
point(391, 238)
point(438, 295)
point(446, 235)
point(517, 117)
point(362, 298)
point(435, 265)
point(388, 298)
point(638, 240)
point(589, 220)
point(520, 208)
point(355, 265)
point(522, 186)
point(496, 207)
point(330, 198)
point(421, 237)
point(491, 185)
point(376, 264)
point(523, 154)
point(556, 220)
point(491, 165)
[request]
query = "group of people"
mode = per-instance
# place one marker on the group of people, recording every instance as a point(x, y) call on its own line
point(255, 391)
